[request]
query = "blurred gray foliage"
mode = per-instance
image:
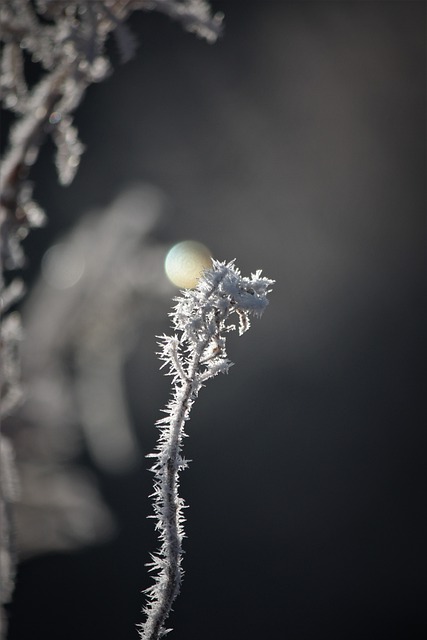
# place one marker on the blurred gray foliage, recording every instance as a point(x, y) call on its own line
point(97, 283)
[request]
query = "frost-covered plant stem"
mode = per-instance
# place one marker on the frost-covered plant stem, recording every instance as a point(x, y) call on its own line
point(197, 353)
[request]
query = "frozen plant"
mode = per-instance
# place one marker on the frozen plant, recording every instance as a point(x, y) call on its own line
point(195, 354)
point(66, 41)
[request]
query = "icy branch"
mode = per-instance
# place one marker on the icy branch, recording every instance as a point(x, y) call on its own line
point(201, 318)
point(67, 41)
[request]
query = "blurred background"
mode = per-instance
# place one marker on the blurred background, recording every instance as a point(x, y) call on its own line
point(295, 144)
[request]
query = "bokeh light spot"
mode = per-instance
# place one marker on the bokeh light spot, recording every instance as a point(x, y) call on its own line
point(185, 262)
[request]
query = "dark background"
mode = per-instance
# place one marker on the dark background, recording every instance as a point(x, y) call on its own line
point(295, 144)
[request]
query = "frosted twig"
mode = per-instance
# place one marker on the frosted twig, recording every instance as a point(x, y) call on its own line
point(67, 40)
point(195, 354)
